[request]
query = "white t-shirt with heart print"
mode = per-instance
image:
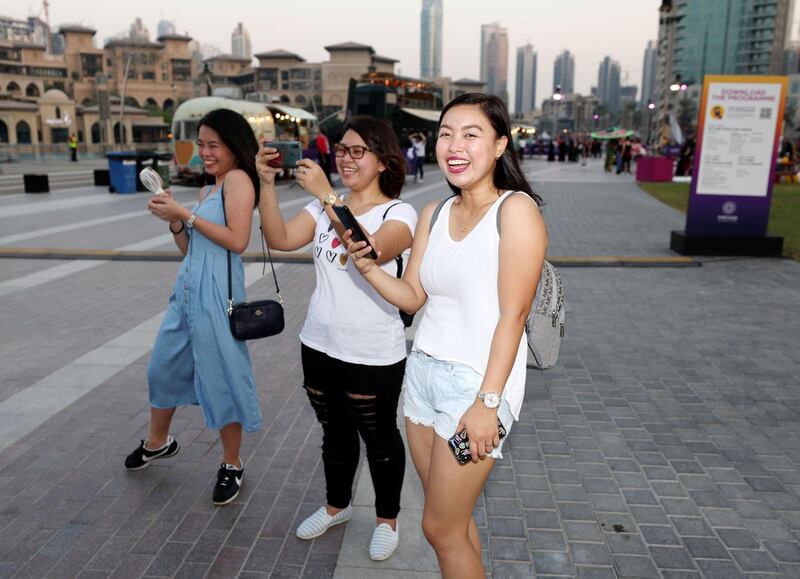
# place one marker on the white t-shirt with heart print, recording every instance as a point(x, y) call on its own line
point(347, 319)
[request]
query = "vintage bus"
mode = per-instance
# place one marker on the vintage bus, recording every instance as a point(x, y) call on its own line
point(188, 165)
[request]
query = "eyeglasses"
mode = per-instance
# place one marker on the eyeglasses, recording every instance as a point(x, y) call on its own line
point(355, 151)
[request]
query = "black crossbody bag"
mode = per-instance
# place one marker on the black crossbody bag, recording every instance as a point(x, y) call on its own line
point(258, 319)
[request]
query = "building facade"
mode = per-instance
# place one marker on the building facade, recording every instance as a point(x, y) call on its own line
point(430, 52)
point(525, 97)
point(574, 112)
point(731, 37)
point(494, 60)
point(564, 72)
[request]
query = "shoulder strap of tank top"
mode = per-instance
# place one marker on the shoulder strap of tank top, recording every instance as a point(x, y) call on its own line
point(436, 212)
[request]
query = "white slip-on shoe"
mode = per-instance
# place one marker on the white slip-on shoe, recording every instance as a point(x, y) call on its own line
point(384, 542)
point(321, 521)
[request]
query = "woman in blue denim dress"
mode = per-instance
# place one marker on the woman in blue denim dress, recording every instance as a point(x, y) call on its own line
point(196, 359)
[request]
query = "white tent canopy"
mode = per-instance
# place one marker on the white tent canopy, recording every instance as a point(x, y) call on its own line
point(293, 112)
point(425, 114)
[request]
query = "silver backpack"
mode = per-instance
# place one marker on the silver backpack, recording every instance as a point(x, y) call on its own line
point(545, 325)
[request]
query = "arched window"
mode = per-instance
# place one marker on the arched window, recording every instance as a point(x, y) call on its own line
point(151, 102)
point(117, 137)
point(168, 104)
point(86, 102)
point(96, 136)
point(58, 112)
point(32, 90)
point(285, 98)
point(300, 100)
point(3, 132)
point(132, 102)
point(13, 88)
point(23, 133)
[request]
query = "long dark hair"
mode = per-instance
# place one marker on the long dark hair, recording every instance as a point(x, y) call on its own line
point(507, 175)
point(237, 135)
point(381, 140)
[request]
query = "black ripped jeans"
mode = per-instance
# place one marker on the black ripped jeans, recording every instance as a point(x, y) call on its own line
point(352, 399)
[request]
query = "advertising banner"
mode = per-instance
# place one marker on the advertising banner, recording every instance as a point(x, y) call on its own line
point(738, 133)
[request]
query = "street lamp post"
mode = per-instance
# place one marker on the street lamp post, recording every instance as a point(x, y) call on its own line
point(557, 96)
point(122, 99)
point(650, 106)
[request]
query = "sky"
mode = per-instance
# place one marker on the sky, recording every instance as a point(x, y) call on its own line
point(590, 29)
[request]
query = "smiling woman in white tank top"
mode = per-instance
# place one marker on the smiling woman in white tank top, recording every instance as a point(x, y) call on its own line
point(467, 368)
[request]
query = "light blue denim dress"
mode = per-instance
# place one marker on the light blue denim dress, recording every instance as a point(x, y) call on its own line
point(196, 359)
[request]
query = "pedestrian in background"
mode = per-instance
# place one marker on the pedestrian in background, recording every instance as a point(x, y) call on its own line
point(73, 148)
point(196, 359)
point(323, 149)
point(419, 143)
point(467, 368)
point(353, 346)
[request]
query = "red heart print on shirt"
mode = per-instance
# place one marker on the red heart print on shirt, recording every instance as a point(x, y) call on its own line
point(335, 243)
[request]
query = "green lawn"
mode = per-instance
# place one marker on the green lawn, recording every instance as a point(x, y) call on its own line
point(784, 216)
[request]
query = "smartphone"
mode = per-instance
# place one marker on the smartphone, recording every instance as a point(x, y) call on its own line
point(459, 443)
point(350, 222)
point(289, 153)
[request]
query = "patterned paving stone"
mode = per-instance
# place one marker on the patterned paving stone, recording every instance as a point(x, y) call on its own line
point(663, 444)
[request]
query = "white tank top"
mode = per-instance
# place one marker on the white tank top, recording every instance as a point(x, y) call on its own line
point(463, 307)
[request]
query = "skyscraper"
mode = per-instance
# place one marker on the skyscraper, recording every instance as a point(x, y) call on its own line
point(494, 59)
point(608, 84)
point(240, 42)
point(430, 54)
point(525, 100)
point(564, 72)
point(138, 31)
point(649, 73)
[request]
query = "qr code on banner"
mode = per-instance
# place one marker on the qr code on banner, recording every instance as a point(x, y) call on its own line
point(766, 113)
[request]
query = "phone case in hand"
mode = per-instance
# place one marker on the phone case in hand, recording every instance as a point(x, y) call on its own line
point(350, 222)
point(459, 443)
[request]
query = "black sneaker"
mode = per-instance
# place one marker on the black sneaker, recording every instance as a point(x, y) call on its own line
point(141, 457)
point(229, 481)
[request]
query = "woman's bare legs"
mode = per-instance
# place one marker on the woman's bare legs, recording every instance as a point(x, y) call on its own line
point(447, 519)
point(160, 419)
point(231, 436)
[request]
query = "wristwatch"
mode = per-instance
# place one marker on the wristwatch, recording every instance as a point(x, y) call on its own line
point(489, 399)
point(329, 199)
point(190, 221)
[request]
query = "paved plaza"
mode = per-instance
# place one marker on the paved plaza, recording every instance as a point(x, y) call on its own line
point(664, 444)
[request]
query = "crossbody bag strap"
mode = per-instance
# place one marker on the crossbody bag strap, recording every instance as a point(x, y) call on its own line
point(399, 259)
point(228, 251)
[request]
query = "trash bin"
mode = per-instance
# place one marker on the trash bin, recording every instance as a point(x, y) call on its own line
point(161, 161)
point(124, 168)
point(122, 171)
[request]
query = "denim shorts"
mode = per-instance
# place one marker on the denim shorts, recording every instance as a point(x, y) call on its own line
point(438, 393)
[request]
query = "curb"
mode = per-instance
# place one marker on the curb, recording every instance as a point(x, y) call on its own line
point(296, 257)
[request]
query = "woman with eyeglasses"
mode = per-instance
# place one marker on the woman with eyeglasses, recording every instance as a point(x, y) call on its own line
point(353, 348)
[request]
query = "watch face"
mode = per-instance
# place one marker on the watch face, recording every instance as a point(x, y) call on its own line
point(490, 399)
